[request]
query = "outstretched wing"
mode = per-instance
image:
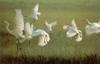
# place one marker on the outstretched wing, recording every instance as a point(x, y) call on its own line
point(38, 32)
point(46, 23)
point(35, 33)
point(19, 20)
point(36, 7)
point(74, 24)
point(88, 21)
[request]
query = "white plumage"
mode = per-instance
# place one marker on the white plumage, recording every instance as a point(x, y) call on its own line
point(44, 37)
point(19, 19)
point(17, 31)
point(50, 25)
point(72, 31)
point(79, 36)
point(65, 27)
point(28, 30)
point(92, 27)
point(18, 28)
point(35, 12)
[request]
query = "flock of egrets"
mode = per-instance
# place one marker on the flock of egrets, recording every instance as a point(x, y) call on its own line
point(25, 30)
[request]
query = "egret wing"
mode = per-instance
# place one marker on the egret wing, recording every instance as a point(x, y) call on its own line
point(36, 7)
point(74, 24)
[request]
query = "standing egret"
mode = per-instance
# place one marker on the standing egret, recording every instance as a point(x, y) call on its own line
point(35, 12)
point(28, 29)
point(72, 31)
point(44, 37)
point(92, 27)
point(19, 20)
point(50, 25)
point(18, 28)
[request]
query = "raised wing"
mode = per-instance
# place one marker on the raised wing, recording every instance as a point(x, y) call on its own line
point(36, 7)
point(19, 20)
point(46, 23)
point(38, 32)
point(74, 24)
point(88, 21)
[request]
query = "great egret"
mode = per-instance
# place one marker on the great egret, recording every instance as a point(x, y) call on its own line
point(19, 20)
point(18, 28)
point(92, 27)
point(28, 30)
point(50, 25)
point(44, 36)
point(73, 31)
point(35, 12)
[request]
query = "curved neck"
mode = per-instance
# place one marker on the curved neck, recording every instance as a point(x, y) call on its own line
point(7, 27)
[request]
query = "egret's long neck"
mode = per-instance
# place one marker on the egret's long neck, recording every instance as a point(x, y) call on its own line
point(88, 21)
point(7, 27)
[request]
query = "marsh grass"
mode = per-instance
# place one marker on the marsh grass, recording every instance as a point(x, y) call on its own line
point(59, 46)
point(91, 59)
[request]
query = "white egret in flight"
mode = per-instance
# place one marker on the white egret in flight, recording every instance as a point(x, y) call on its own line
point(73, 31)
point(35, 12)
point(92, 28)
point(50, 25)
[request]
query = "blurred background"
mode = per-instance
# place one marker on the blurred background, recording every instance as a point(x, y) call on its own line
point(61, 10)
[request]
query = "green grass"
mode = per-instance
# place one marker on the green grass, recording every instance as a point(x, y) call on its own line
point(59, 10)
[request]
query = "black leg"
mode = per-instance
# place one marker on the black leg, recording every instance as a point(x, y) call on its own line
point(18, 47)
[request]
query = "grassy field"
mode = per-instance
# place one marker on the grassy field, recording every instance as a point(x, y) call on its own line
point(61, 10)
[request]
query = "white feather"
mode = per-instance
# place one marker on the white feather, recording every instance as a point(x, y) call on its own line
point(17, 31)
point(73, 31)
point(65, 27)
point(50, 25)
point(28, 30)
point(18, 28)
point(19, 20)
point(44, 37)
point(92, 27)
point(36, 13)
point(79, 36)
